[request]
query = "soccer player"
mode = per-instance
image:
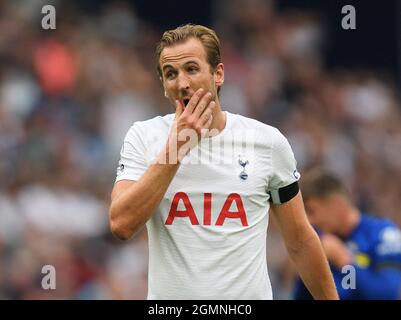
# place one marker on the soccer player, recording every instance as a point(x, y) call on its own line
point(369, 247)
point(206, 209)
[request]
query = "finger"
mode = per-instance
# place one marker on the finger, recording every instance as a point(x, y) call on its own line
point(208, 113)
point(178, 109)
point(202, 104)
point(194, 100)
point(208, 122)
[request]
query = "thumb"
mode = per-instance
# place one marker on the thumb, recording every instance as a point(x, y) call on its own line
point(178, 109)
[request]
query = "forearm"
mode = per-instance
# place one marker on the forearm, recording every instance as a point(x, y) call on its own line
point(133, 208)
point(313, 268)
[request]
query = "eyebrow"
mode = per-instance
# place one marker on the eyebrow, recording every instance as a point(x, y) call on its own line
point(169, 66)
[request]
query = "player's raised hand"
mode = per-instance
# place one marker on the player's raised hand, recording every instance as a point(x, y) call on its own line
point(198, 112)
point(191, 123)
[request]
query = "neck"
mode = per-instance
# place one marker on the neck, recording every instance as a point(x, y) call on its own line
point(219, 118)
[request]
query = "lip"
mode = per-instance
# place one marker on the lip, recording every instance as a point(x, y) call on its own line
point(184, 101)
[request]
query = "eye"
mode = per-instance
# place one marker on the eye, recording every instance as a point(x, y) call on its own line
point(192, 69)
point(169, 75)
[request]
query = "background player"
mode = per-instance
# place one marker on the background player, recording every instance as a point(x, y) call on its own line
point(370, 244)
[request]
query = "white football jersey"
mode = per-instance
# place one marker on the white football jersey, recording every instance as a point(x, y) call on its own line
point(207, 238)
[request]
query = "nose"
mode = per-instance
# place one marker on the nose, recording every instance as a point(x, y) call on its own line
point(183, 81)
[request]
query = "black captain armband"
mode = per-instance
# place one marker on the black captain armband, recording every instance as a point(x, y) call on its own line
point(284, 194)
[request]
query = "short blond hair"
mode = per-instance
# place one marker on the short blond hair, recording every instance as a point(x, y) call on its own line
point(207, 36)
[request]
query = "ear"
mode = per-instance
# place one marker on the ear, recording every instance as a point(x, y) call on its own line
point(219, 75)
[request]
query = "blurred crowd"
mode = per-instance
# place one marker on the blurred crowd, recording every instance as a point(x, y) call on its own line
point(68, 96)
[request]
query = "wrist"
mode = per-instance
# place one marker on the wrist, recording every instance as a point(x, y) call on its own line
point(170, 155)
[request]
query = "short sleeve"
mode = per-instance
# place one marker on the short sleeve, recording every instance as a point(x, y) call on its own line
point(283, 181)
point(132, 164)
